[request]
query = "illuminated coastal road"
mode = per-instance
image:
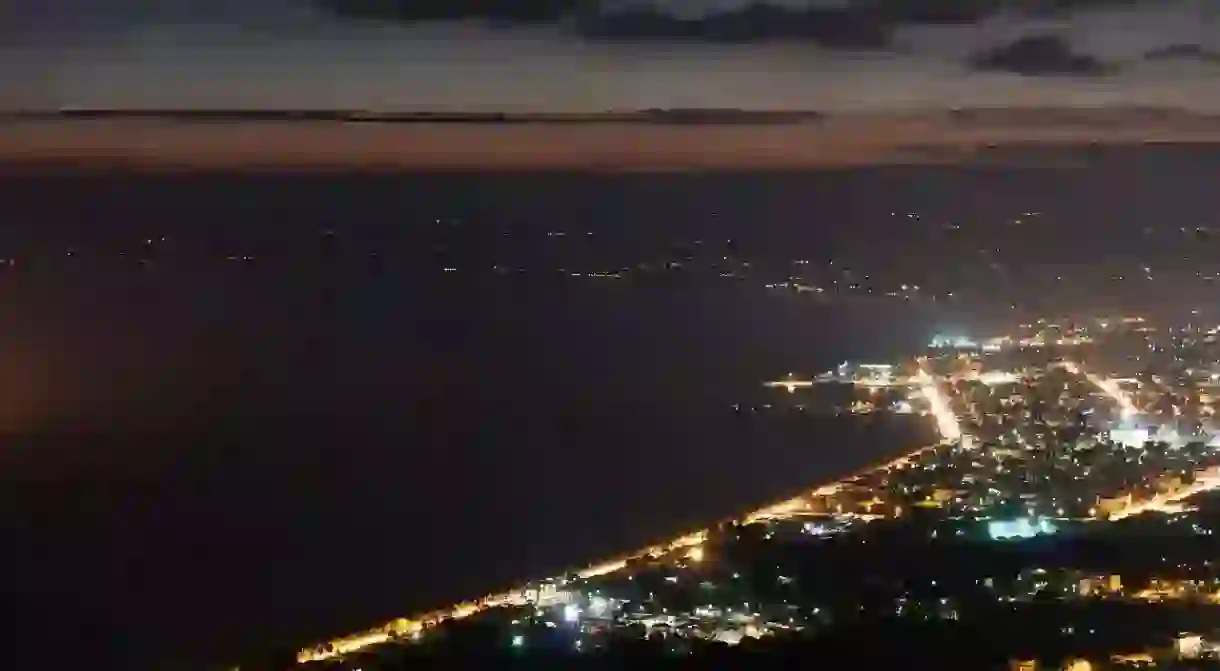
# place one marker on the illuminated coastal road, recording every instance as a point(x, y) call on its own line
point(1170, 502)
point(947, 425)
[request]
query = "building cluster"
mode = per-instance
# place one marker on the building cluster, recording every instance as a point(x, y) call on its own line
point(1067, 505)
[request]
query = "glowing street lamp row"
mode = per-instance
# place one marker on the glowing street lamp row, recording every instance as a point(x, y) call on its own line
point(1109, 387)
point(946, 421)
point(690, 545)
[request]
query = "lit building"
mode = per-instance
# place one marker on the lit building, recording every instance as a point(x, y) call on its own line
point(1086, 587)
point(1109, 505)
point(952, 342)
point(880, 374)
point(1022, 527)
point(1132, 435)
point(996, 344)
point(1188, 646)
point(874, 373)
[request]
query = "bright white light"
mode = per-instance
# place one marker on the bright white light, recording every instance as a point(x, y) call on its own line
point(571, 613)
point(817, 529)
point(518, 641)
point(1022, 527)
point(996, 377)
point(952, 342)
point(946, 421)
point(598, 606)
point(1136, 437)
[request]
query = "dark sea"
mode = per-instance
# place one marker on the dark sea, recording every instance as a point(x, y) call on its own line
point(205, 454)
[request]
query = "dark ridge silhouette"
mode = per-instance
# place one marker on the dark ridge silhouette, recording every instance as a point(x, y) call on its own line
point(681, 116)
point(1039, 56)
point(1110, 116)
point(1008, 117)
point(676, 116)
point(200, 115)
point(1184, 52)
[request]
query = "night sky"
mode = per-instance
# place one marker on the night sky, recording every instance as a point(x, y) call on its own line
point(562, 55)
point(205, 455)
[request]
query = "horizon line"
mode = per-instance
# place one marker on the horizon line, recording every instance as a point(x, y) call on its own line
point(359, 113)
point(677, 139)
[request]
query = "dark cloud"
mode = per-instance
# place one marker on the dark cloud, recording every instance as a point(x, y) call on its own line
point(1057, 7)
point(25, 13)
point(524, 11)
point(942, 11)
point(882, 11)
point(864, 26)
point(846, 29)
point(849, 24)
point(1039, 56)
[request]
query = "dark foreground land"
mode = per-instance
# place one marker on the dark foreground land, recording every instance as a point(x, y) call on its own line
point(885, 598)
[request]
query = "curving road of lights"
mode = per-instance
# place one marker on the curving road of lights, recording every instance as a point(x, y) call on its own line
point(946, 424)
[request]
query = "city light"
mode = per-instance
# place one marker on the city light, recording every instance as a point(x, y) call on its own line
point(1109, 387)
point(946, 424)
point(952, 342)
point(598, 606)
point(1170, 502)
point(946, 421)
point(996, 377)
point(562, 596)
point(1023, 527)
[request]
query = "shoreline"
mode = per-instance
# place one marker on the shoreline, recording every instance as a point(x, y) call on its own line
point(415, 625)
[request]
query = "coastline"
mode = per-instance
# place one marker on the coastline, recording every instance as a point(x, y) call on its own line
point(414, 625)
